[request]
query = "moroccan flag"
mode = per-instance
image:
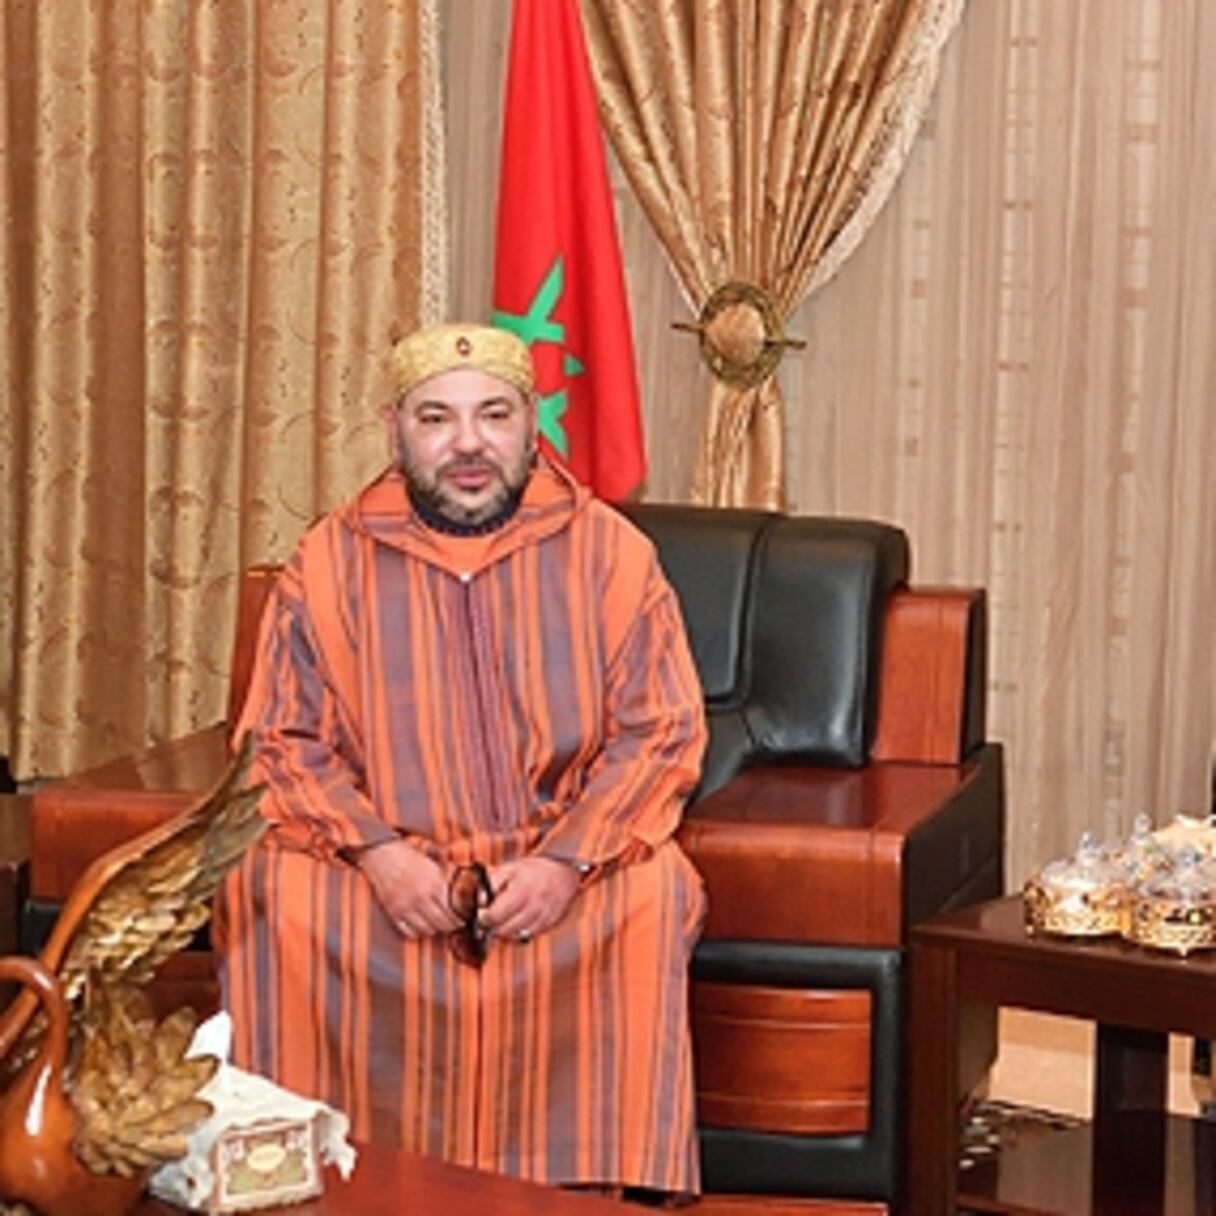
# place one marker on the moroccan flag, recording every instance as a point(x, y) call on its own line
point(557, 276)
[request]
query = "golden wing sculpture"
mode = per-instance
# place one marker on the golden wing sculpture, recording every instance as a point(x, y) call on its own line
point(93, 1093)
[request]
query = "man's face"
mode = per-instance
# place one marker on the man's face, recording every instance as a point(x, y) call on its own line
point(465, 441)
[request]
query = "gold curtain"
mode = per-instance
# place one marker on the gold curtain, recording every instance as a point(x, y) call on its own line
point(214, 216)
point(761, 137)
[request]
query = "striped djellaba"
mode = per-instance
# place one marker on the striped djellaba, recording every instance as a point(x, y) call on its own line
point(486, 697)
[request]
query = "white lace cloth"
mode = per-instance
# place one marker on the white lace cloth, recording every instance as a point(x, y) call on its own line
point(240, 1099)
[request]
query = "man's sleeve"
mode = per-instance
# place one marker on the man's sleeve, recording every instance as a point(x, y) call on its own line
point(654, 742)
point(305, 747)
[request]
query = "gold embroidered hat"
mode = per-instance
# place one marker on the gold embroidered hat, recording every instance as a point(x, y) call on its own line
point(442, 348)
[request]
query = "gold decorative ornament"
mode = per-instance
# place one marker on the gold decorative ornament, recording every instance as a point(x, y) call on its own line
point(1098, 913)
point(1176, 911)
point(1154, 888)
point(741, 335)
point(93, 1092)
point(1082, 896)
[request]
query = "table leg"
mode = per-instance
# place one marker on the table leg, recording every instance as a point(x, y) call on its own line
point(931, 1142)
point(1129, 1150)
point(1130, 1071)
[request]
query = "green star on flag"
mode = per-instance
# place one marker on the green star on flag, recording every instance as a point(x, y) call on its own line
point(534, 325)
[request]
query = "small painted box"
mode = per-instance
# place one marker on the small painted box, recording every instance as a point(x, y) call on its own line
point(264, 1164)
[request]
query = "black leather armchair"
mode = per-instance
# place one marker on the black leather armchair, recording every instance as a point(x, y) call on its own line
point(848, 792)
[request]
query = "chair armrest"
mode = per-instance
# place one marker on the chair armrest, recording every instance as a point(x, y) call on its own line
point(73, 822)
point(931, 691)
point(797, 853)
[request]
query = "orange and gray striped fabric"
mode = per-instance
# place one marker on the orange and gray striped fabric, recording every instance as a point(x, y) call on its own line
point(485, 697)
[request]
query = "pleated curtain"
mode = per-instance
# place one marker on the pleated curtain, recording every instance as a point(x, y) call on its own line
point(213, 217)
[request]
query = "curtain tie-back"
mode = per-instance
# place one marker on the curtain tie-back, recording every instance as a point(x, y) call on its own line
point(741, 334)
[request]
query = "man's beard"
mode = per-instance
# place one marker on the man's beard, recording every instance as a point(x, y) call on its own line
point(430, 489)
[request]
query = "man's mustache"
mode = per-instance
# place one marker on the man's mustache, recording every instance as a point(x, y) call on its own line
point(476, 464)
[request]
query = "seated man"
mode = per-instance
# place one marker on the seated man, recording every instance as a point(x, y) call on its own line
point(478, 720)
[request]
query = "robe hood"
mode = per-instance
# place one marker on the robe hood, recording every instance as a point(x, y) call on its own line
point(383, 511)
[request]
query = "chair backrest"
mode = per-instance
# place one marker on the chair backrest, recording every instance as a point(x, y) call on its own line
point(256, 583)
point(786, 617)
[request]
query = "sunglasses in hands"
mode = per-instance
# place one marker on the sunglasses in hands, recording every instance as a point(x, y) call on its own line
point(468, 893)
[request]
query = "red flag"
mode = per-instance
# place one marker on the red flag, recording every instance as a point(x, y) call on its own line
point(557, 277)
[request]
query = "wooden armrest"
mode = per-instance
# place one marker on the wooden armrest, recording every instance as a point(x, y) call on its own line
point(193, 762)
point(73, 822)
point(931, 693)
point(797, 853)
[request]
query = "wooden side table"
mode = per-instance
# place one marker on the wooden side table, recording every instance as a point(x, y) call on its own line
point(983, 955)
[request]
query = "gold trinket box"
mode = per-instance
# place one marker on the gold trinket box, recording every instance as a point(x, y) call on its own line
point(1082, 896)
point(1176, 911)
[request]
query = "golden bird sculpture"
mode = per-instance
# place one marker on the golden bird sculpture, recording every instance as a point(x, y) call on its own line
point(93, 1092)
